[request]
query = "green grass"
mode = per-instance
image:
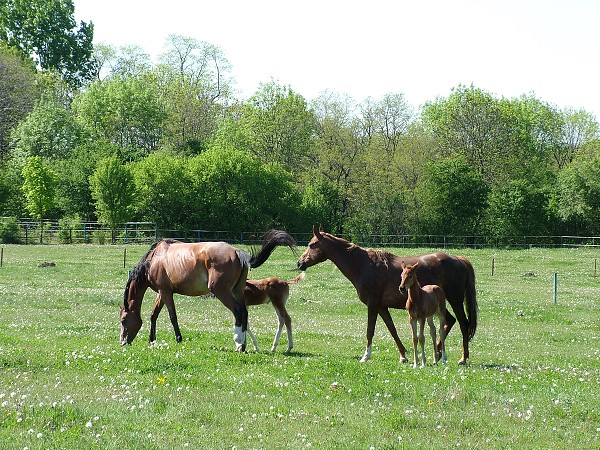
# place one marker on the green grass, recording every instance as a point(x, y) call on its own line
point(65, 382)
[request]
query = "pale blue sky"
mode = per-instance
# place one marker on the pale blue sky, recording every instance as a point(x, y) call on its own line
point(369, 48)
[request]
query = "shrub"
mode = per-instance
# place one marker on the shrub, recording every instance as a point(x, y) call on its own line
point(10, 233)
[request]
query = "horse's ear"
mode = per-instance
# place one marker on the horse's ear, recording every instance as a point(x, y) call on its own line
point(317, 233)
point(416, 265)
point(321, 230)
point(403, 265)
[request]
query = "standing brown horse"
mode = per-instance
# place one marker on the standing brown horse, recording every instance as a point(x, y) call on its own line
point(376, 275)
point(173, 267)
point(422, 304)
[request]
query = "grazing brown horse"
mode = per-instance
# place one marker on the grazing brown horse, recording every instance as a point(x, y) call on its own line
point(422, 304)
point(174, 267)
point(276, 291)
point(376, 275)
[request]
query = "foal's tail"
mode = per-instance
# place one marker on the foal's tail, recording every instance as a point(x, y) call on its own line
point(272, 239)
point(297, 279)
point(470, 296)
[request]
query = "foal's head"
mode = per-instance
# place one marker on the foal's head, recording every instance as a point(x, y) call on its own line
point(409, 274)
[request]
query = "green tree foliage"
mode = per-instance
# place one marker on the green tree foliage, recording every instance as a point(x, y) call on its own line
point(39, 187)
point(46, 31)
point(278, 126)
point(74, 197)
point(234, 191)
point(125, 111)
point(579, 195)
point(164, 192)
point(452, 197)
point(18, 94)
point(50, 131)
point(113, 191)
point(516, 208)
point(12, 199)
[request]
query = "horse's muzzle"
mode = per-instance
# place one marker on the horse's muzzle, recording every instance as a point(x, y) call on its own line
point(402, 289)
point(301, 265)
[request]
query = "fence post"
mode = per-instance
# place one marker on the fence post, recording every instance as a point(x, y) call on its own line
point(493, 265)
point(555, 278)
point(1, 256)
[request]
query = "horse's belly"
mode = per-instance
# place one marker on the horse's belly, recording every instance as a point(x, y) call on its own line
point(192, 286)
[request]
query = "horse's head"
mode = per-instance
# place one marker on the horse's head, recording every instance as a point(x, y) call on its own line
point(131, 318)
point(314, 253)
point(131, 322)
point(408, 276)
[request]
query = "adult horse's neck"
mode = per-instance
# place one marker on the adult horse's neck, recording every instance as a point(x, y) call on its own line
point(348, 257)
point(135, 295)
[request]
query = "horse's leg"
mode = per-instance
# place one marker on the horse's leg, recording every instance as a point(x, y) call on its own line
point(463, 322)
point(283, 318)
point(167, 298)
point(387, 319)
point(371, 321)
point(415, 340)
point(254, 341)
point(422, 340)
point(449, 323)
point(443, 337)
point(432, 333)
point(158, 304)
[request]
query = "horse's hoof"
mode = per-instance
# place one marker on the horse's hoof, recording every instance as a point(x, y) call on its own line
point(462, 362)
point(179, 339)
point(403, 359)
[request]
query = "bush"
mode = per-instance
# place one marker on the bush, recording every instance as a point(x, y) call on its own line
point(10, 233)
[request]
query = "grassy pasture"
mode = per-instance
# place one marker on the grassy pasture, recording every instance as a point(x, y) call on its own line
point(65, 382)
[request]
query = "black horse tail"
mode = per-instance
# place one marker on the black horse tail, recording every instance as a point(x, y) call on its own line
point(140, 271)
point(470, 297)
point(272, 239)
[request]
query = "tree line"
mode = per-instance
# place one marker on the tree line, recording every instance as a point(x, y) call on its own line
point(96, 132)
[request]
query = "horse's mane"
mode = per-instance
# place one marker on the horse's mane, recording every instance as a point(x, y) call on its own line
point(379, 255)
point(140, 271)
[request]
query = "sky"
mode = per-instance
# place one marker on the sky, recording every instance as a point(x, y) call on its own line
point(419, 48)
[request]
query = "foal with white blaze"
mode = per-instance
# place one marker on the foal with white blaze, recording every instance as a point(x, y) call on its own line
point(423, 303)
point(276, 291)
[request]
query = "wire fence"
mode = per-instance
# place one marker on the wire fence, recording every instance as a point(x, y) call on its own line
point(27, 231)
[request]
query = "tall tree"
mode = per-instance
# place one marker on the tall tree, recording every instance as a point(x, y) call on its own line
point(113, 191)
point(46, 31)
point(195, 84)
point(579, 195)
point(50, 131)
point(279, 126)
point(453, 196)
point(39, 187)
point(126, 111)
point(18, 93)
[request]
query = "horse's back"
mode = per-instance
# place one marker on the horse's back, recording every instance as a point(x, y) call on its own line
point(189, 268)
point(444, 270)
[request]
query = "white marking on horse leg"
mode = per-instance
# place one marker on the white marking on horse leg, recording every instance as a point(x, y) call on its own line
point(239, 337)
point(367, 355)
